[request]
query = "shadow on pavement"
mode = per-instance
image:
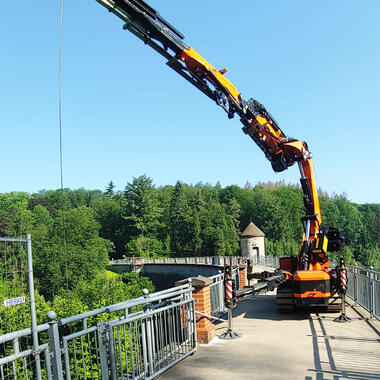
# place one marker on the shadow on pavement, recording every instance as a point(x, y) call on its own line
point(347, 357)
point(264, 307)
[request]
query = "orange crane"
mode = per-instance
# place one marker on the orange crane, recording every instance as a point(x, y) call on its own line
point(310, 279)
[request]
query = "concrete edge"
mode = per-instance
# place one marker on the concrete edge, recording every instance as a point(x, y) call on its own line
point(372, 322)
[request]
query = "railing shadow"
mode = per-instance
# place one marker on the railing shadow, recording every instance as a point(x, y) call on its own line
point(345, 360)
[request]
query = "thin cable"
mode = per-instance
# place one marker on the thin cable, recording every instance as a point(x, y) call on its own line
point(60, 91)
point(60, 136)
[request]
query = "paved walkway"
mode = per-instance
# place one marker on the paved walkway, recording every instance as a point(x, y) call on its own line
point(279, 346)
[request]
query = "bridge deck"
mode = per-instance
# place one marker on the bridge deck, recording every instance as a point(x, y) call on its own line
point(279, 346)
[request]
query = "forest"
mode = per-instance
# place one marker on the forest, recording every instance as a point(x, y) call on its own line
point(75, 232)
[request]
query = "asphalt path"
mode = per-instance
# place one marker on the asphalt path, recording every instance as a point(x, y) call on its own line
point(285, 346)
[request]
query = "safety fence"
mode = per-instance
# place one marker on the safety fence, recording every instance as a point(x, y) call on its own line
point(267, 261)
point(135, 339)
point(18, 311)
point(217, 294)
point(364, 288)
point(217, 286)
point(205, 260)
point(15, 268)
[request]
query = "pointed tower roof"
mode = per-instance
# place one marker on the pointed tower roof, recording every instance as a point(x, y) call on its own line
point(252, 231)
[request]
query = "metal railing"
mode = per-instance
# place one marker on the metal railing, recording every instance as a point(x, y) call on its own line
point(201, 260)
point(364, 288)
point(16, 281)
point(144, 345)
point(217, 286)
point(135, 339)
point(268, 261)
point(217, 294)
point(205, 260)
point(20, 359)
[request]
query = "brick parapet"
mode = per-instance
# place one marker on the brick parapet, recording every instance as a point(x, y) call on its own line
point(202, 301)
point(242, 276)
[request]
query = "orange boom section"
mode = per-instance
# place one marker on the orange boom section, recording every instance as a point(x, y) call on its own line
point(196, 64)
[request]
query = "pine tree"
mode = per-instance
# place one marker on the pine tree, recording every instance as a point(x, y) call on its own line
point(109, 190)
point(142, 210)
point(178, 219)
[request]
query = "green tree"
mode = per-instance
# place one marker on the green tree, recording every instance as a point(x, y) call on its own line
point(179, 218)
point(109, 190)
point(109, 213)
point(292, 208)
point(370, 257)
point(15, 218)
point(371, 223)
point(144, 246)
point(73, 252)
point(352, 224)
point(142, 211)
point(213, 226)
point(269, 215)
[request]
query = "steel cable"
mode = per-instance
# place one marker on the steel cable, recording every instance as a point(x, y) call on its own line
point(60, 137)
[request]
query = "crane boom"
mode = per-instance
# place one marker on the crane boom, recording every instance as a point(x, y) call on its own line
point(282, 151)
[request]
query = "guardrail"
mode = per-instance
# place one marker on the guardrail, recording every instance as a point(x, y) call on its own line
point(201, 260)
point(217, 286)
point(364, 288)
point(268, 261)
point(217, 295)
point(205, 260)
point(135, 339)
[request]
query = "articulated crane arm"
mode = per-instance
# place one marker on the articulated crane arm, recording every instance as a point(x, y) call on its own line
point(282, 151)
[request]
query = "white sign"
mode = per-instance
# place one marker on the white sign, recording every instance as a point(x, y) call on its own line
point(14, 301)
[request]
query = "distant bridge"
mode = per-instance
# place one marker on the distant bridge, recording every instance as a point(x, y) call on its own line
point(165, 271)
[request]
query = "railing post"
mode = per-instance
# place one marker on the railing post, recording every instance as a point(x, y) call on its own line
point(55, 346)
point(33, 305)
point(372, 292)
point(147, 337)
point(16, 350)
point(356, 284)
point(103, 339)
point(221, 290)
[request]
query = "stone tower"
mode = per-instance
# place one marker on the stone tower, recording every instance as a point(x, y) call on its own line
point(252, 242)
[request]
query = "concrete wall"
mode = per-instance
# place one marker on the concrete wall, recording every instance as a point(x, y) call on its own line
point(248, 246)
point(120, 268)
point(164, 276)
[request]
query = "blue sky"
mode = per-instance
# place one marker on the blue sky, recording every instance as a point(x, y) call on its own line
point(314, 64)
